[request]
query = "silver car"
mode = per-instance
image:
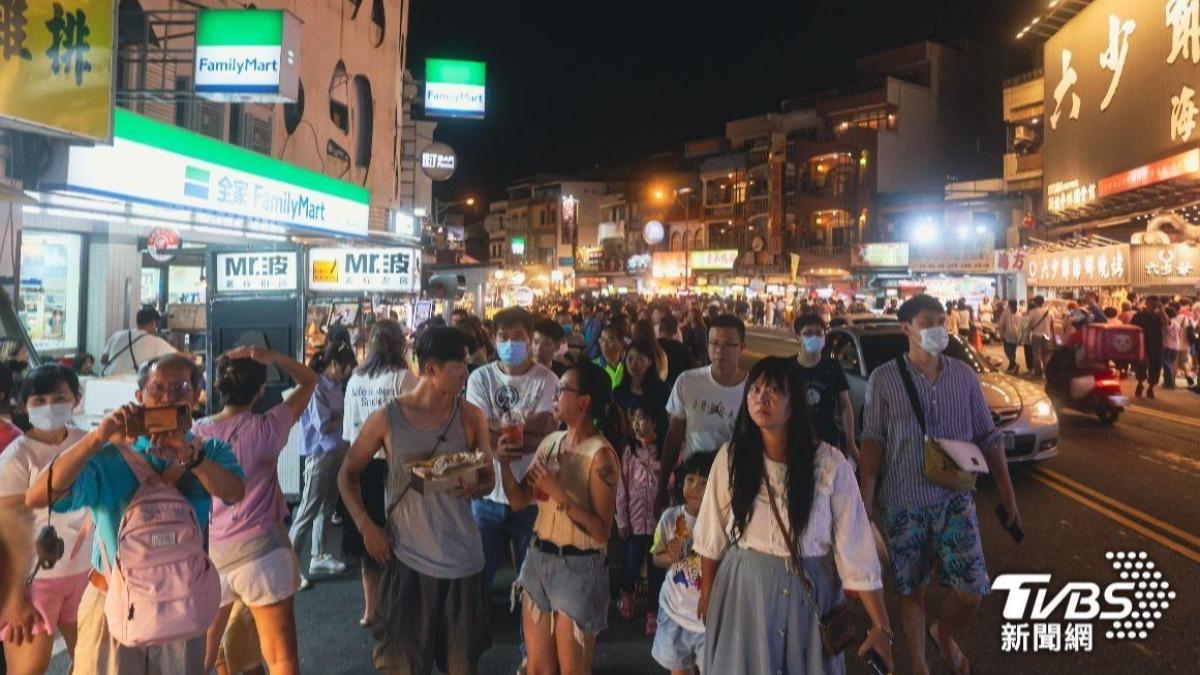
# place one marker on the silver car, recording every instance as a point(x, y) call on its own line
point(1021, 410)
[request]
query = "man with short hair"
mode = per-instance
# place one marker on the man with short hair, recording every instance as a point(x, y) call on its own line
point(679, 358)
point(828, 390)
point(925, 522)
point(1153, 322)
point(128, 350)
point(612, 352)
point(95, 474)
point(1039, 326)
point(513, 383)
point(431, 608)
point(705, 401)
point(549, 340)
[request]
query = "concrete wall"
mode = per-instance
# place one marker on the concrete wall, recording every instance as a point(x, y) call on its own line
point(912, 158)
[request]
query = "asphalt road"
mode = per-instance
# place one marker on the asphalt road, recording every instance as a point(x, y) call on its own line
point(1132, 487)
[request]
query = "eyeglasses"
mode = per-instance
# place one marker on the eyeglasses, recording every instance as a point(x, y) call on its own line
point(562, 387)
point(177, 392)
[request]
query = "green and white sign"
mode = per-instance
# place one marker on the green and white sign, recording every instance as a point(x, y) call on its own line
point(455, 88)
point(247, 55)
point(160, 164)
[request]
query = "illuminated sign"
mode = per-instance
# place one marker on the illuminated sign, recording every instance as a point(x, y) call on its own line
point(247, 55)
point(1064, 195)
point(1166, 265)
point(1098, 266)
point(723, 259)
point(380, 270)
point(455, 88)
point(668, 264)
point(1183, 164)
point(518, 246)
point(254, 272)
point(438, 161)
point(890, 255)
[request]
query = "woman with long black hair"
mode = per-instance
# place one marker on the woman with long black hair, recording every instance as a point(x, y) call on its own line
point(642, 384)
point(765, 582)
point(564, 579)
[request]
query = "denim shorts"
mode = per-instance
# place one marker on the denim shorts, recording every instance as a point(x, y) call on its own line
point(948, 533)
point(574, 585)
point(675, 647)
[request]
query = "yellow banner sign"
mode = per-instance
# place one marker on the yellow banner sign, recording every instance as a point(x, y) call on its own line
point(56, 66)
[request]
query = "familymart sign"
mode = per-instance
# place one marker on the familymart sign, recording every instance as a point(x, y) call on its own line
point(247, 55)
point(163, 165)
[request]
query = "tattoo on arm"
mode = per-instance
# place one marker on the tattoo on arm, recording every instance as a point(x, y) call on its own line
point(608, 474)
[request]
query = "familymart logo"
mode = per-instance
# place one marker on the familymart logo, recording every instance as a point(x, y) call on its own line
point(1037, 620)
point(196, 182)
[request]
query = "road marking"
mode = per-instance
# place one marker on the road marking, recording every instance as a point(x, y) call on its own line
point(1068, 488)
point(1170, 417)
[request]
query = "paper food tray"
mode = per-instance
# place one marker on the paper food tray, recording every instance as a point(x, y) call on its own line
point(425, 483)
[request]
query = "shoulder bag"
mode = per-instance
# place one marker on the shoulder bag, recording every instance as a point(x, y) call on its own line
point(843, 624)
point(940, 469)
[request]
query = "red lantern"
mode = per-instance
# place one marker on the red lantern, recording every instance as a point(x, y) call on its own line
point(1029, 222)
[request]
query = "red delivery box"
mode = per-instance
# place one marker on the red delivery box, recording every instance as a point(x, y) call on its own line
point(1105, 342)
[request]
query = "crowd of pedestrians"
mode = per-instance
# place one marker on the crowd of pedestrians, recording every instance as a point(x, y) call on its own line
point(736, 509)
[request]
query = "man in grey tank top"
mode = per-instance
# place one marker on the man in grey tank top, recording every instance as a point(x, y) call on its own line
point(430, 608)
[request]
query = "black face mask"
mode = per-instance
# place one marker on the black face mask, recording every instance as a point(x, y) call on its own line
point(17, 365)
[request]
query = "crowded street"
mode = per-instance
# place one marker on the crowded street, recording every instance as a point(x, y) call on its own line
point(448, 337)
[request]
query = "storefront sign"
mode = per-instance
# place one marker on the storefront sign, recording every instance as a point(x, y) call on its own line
point(523, 296)
point(1115, 67)
point(589, 258)
point(1064, 195)
point(723, 259)
point(247, 55)
point(255, 272)
point(455, 88)
point(653, 232)
point(1099, 266)
point(972, 257)
point(439, 162)
point(161, 242)
point(518, 246)
point(668, 264)
point(638, 264)
point(56, 67)
point(1171, 265)
point(1183, 164)
point(569, 221)
point(1009, 262)
point(161, 164)
point(374, 270)
point(882, 256)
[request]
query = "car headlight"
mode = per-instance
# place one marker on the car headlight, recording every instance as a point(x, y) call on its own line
point(1043, 411)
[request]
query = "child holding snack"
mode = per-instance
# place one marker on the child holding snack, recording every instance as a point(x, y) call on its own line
point(679, 643)
point(636, 490)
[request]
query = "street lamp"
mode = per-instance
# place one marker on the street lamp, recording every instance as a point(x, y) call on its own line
point(440, 208)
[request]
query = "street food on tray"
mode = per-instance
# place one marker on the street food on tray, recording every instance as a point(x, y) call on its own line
point(438, 466)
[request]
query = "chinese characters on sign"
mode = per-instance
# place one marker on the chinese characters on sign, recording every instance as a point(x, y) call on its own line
point(1069, 77)
point(1046, 637)
point(1101, 266)
point(1166, 265)
point(1070, 194)
point(723, 259)
point(1183, 114)
point(56, 57)
point(1113, 58)
point(1183, 16)
point(252, 272)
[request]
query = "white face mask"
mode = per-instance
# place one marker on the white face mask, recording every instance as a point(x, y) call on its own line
point(51, 417)
point(935, 340)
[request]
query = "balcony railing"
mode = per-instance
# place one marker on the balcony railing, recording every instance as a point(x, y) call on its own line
point(1022, 167)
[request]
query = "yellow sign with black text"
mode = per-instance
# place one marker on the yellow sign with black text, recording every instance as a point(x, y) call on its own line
point(56, 67)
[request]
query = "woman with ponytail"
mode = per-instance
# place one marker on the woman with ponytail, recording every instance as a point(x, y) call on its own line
point(247, 540)
point(382, 377)
point(564, 579)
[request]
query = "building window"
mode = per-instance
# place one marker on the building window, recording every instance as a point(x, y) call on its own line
point(877, 119)
point(676, 241)
point(51, 278)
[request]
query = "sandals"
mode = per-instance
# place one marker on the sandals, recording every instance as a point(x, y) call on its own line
point(945, 657)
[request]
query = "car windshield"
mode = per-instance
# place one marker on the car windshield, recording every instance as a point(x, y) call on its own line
point(881, 348)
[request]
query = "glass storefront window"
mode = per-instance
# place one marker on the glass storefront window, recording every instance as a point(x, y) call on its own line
point(51, 275)
point(151, 282)
point(185, 285)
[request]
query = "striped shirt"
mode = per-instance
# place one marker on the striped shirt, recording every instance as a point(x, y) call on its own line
point(954, 409)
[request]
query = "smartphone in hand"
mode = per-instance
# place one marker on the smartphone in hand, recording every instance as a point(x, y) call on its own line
point(875, 663)
point(1014, 530)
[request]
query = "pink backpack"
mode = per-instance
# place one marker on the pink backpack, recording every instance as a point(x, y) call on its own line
point(162, 586)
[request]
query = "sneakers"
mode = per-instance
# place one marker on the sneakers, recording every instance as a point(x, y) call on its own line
point(651, 624)
point(625, 606)
point(336, 518)
point(326, 564)
point(305, 584)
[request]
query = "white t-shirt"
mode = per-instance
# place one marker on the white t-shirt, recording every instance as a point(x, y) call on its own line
point(709, 409)
point(20, 465)
point(680, 594)
point(146, 347)
point(493, 391)
point(365, 394)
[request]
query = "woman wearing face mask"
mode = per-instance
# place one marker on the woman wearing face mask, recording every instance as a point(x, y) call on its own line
point(49, 395)
point(323, 449)
point(828, 391)
point(247, 541)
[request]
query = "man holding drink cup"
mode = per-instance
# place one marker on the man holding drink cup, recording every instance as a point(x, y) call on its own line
point(516, 396)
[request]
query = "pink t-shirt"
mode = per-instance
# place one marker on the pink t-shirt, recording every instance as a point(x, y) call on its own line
point(257, 441)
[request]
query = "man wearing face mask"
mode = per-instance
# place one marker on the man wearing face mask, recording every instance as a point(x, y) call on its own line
point(514, 383)
point(828, 390)
point(922, 520)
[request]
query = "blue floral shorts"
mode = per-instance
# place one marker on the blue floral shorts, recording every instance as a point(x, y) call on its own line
point(946, 533)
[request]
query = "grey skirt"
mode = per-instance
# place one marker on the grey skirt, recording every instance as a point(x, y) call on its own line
point(759, 619)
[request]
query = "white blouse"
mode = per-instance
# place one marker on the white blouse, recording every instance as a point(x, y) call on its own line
point(837, 521)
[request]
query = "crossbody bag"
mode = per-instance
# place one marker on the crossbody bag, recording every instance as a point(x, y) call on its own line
point(940, 468)
point(843, 624)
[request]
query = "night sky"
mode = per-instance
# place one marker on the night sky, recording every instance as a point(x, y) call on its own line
point(574, 85)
